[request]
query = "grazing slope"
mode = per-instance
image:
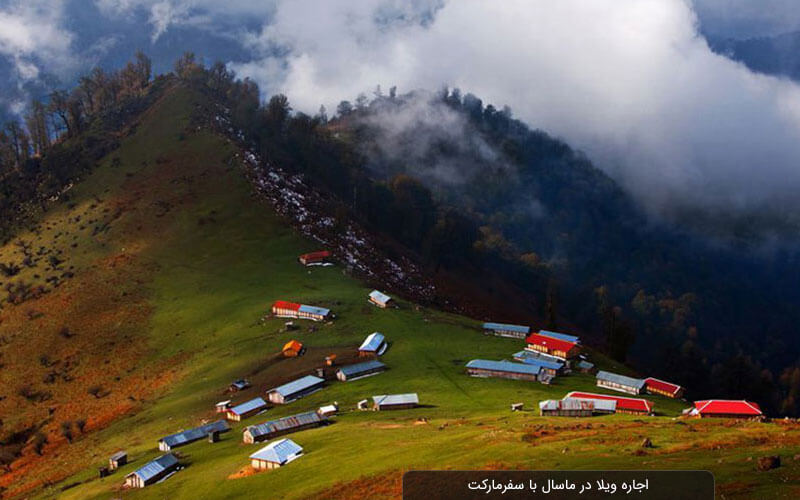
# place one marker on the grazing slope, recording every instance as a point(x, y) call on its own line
point(165, 309)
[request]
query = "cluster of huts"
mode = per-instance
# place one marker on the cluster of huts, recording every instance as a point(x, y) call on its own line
point(278, 452)
point(546, 355)
point(549, 354)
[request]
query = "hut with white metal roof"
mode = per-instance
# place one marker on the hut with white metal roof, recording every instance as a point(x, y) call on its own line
point(276, 454)
point(374, 345)
point(503, 369)
point(619, 383)
point(281, 426)
point(576, 407)
point(380, 299)
point(360, 370)
point(246, 409)
point(152, 472)
point(294, 390)
point(395, 401)
point(183, 438)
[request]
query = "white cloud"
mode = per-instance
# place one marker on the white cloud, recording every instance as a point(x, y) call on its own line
point(629, 81)
point(32, 36)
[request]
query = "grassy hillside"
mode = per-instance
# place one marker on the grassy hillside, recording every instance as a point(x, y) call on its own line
point(164, 311)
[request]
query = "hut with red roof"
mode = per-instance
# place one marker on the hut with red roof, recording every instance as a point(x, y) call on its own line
point(725, 408)
point(636, 406)
point(315, 258)
point(560, 348)
point(656, 386)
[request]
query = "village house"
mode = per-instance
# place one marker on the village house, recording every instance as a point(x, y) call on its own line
point(328, 410)
point(222, 406)
point(276, 454)
point(547, 364)
point(374, 345)
point(315, 258)
point(619, 383)
point(576, 407)
point(395, 402)
point(724, 408)
point(635, 406)
point(284, 309)
point(246, 409)
point(561, 349)
point(506, 330)
point(292, 349)
point(584, 366)
point(360, 370)
point(380, 299)
point(191, 435)
point(294, 390)
point(286, 425)
point(152, 472)
point(117, 460)
point(656, 386)
point(503, 369)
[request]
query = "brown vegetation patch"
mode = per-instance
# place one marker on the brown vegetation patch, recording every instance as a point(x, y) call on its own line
point(388, 485)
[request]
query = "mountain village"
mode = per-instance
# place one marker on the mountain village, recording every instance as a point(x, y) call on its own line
point(545, 356)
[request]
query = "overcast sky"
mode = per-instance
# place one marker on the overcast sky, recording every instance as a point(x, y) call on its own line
point(630, 82)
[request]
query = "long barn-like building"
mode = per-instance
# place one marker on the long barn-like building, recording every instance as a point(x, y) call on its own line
point(506, 330)
point(619, 383)
point(281, 426)
point(636, 406)
point(183, 438)
point(294, 390)
point(503, 369)
point(284, 309)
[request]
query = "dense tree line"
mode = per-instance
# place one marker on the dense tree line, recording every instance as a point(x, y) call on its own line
point(57, 140)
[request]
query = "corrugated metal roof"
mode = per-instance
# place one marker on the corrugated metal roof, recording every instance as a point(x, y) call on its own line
point(550, 342)
point(372, 342)
point(314, 310)
point(251, 405)
point(623, 403)
point(507, 327)
point(156, 467)
point(285, 423)
point(298, 385)
point(282, 451)
point(357, 368)
point(504, 366)
point(620, 379)
point(585, 365)
point(191, 435)
point(379, 296)
point(532, 358)
point(396, 399)
point(560, 336)
point(597, 404)
point(118, 455)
